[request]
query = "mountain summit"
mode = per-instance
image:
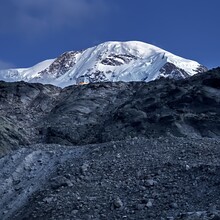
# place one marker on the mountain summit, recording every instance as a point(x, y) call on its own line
point(110, 61)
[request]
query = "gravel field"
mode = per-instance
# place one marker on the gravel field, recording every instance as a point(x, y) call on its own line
point(165, 178)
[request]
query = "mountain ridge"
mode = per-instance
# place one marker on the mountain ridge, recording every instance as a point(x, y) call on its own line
point(109, 61)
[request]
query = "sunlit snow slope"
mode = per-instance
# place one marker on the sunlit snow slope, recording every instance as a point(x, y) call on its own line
point(25, 74)
point(110, 61)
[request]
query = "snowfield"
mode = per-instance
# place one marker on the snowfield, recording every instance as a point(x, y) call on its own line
point(110, 61)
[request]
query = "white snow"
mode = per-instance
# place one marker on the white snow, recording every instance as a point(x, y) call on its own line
point(25, 74)
point(138, 61)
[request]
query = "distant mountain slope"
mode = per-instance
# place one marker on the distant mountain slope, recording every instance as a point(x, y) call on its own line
point(110, 61)
point(25, 74)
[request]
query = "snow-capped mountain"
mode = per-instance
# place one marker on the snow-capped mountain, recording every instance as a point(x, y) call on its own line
point(110, 61)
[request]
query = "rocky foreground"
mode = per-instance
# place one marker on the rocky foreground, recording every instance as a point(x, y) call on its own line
point(165, 178)
point(111, 150)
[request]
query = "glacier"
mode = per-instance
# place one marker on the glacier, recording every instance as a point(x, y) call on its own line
point(109, 61)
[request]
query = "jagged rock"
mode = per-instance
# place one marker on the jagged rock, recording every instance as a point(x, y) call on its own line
point(151, 182)
point(60, 181)
point(118, 203)
point(150, 203)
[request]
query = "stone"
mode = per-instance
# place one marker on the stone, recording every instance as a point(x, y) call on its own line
point(150, 203)
point(174, 205)
point(60, 181)
point(151, 182)
point(74, 212)
point(84, 168)
point(118, 203)
point(48, 199)
point(140, 206)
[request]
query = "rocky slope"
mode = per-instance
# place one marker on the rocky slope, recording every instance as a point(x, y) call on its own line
point(110, 61)
point(22, 105)
point(166, 178)
point(111, 150)
point(96, 113)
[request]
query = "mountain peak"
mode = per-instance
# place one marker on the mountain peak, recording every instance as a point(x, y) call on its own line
point(109, 61)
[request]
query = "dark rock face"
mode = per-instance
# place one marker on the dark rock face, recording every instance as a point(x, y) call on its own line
point(118, 60)
point(201, 69)
point(93, 77)
point(113, 111)
point(10, 135)
point(101, 112)
point(86, 109)
point(171, 71)
point(22, 105)
point(62, 64)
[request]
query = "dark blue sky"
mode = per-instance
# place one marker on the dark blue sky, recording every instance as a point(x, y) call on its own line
point(31, 31)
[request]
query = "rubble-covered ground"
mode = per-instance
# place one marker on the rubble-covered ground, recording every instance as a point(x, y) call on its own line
point(165, 178)
point(111, 150)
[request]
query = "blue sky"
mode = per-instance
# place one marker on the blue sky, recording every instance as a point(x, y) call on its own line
point(32, 31)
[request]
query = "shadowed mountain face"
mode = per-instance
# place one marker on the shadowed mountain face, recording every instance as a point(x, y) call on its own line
point(101, 112)
point(22, 106)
